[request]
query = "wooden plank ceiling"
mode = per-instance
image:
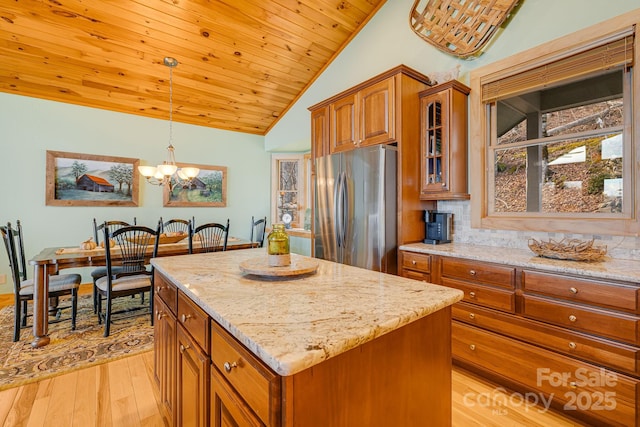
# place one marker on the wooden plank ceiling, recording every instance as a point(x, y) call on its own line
point(243, 63)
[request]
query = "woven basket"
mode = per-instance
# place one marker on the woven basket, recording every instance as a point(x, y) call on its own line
point(572, 249)
point(459, 27)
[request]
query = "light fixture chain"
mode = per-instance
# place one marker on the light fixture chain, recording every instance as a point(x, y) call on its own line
point(170, 105)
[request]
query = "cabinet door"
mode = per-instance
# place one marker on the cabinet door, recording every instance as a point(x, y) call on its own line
point(164, 346)
point(192, 380)
point(376, 113)
point(434, 142)
point(319, 133)
point(343, 124)
point(227, 408)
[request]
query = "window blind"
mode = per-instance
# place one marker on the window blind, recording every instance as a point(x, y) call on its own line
point(607, 55)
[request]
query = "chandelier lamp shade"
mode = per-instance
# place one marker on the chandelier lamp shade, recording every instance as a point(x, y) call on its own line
point(168, 173)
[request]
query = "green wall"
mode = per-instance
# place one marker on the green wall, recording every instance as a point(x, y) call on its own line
point(32, 126)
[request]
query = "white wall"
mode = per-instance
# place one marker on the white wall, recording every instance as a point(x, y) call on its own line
point(31, 126)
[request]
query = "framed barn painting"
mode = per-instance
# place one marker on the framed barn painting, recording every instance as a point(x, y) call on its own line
point(90, 180)
point(208, 189)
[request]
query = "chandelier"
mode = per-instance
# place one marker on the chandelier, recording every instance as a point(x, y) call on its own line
point(168, 173)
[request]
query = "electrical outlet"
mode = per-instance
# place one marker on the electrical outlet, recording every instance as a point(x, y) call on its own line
point(3, 279)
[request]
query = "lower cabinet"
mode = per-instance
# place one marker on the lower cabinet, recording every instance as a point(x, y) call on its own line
point(563, 340)
point(164, 343)
point(192, 381)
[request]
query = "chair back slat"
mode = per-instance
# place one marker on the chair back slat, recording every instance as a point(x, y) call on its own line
point(14, 246)
point(176, 225)
point(113, 226)
point(257, 231)
point(212, 237)
point(133, 242)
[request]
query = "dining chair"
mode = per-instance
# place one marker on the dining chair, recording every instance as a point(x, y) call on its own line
point(257, 232)
point(59, 284)
point(176, 225)
point(126, 268)
point(211, 237)
point(99, 272)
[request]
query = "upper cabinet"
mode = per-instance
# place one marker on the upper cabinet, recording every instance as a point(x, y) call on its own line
point(382, 110)
point(363, 118)
point(443, 142)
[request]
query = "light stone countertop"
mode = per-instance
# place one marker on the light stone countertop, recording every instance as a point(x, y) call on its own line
point(608, 268)
point(294, 323)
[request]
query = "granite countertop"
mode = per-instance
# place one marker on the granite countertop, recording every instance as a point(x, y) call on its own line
point(609, 268)
point(294, 323)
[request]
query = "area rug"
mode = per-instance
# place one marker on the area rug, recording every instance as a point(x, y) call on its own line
point(71, 350)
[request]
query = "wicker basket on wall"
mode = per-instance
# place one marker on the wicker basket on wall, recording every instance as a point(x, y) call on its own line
point(459, 27)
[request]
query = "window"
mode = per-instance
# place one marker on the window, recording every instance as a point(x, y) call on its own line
point(290, 187)
point(552, 138)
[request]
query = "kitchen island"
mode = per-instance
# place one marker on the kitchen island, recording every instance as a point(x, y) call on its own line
point(341, 347)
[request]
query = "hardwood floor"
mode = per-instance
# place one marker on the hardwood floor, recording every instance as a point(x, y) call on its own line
point(123, 393)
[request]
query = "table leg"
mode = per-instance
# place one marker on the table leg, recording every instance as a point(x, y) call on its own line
point(41, 304)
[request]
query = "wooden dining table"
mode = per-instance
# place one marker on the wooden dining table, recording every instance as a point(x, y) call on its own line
point(51, 260)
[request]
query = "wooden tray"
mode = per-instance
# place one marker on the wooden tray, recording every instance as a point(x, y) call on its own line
point(164, 240)
point(260, 267)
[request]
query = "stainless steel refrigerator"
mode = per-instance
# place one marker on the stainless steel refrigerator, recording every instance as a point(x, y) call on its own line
point(355, 208)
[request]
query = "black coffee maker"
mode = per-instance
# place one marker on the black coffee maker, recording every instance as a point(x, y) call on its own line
point(437, 227)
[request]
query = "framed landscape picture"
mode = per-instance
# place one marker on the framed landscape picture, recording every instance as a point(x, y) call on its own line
point(90, 180)
point(208, 189)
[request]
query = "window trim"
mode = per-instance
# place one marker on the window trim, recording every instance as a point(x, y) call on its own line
point(480, 168)
point(276, 158)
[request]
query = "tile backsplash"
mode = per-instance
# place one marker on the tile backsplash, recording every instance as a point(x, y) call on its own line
point(620, 247)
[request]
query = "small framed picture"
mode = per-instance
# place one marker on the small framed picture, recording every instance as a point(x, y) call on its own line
point(208, 189)
point(75, 179)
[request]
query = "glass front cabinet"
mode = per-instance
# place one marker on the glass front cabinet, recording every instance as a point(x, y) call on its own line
point(443, 134)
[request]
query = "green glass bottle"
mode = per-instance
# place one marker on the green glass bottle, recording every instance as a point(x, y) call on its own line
point(278, 246)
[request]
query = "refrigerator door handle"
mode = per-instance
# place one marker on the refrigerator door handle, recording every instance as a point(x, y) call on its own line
point(337, 196)
point(345, 211)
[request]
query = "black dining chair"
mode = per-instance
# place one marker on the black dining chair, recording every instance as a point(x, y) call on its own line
point(210, 237)
point(127, 273)
point(176, 225)
point(59, 284)
point(257, 232)
point(98, 232)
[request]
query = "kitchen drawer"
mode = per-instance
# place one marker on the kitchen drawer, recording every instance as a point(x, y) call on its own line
point(487, 296)
point(416, 261)
point(478, 272)
point(253, 381)
point(617, 326)
point(167, 292)
point(573, 385)
point(609, 295)
point(416, 275)
point(194, 320)
point(603, 352)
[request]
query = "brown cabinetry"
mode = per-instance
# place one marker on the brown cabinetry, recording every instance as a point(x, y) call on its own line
point(415, 266)
point(571, 339)
point(164, 344)
point(381, 110)
point(443, 142)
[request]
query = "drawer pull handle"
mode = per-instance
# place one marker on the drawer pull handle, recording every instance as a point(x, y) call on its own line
point(183, 348)
point(159, 289)
point(472, 347)
point(572, 345)
point(413, 262)
point(572, 318)
point(229, 366)
point(472, 294)
point(472, 272)
point(573, 290)
point(472, 316)
point(160, 314)
point(185, 317)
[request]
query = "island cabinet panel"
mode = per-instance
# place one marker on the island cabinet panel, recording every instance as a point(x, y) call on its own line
point(165, 352)
point(192, 382)
point(393, 380)
point(516, 323)
point(253, 382)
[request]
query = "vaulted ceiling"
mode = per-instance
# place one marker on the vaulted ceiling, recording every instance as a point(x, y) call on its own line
point(242, 63)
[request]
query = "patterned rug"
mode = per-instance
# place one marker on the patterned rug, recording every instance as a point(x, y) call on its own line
point(71, 350)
